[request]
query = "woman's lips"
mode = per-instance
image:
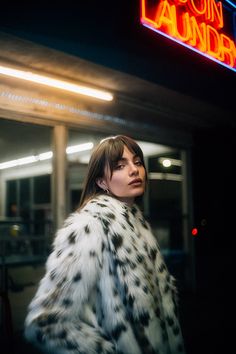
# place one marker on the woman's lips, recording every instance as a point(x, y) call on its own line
point(136, 181)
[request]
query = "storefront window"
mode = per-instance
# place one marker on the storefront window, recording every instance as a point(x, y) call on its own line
point(165, 198)
point(166, 207)
point(25, 186)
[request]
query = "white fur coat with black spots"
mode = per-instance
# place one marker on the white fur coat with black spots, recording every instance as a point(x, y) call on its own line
point(106, 289)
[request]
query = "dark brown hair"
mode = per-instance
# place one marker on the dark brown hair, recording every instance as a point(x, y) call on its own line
point(106, 154)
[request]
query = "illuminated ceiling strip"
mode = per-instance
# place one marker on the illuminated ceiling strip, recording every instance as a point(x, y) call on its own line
point(188, 46)
point(79, 148)
point(44, 156)
point(62, 85)
point(165, 176)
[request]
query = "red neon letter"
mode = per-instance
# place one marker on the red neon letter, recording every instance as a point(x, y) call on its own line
point(215, 14)
point(199, 39)
point(227, 50)
point(183, 25)
point(165, 17)
point(213, 42)
point(198, 7)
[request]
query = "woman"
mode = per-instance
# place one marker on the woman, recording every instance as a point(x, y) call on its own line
point(106, 287)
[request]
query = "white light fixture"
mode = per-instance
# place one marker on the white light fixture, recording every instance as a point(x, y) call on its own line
point(78, 148)
point(18, 162)
point(59, 84)
point(44, 156)
point(167, 162)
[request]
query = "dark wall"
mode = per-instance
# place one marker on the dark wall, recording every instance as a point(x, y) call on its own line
point(213, 192)
point(213, 187)
point(214, 210)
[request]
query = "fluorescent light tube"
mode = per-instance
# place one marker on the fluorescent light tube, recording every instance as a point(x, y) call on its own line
point(62, 85)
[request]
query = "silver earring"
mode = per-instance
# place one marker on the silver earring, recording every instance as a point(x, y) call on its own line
point(106, 191)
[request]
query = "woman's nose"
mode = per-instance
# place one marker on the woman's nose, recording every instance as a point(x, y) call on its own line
point(133, 169)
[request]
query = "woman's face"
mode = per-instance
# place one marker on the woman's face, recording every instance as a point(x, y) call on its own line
point(128, 179)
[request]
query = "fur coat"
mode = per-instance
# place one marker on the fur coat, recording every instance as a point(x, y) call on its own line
point(106, 287)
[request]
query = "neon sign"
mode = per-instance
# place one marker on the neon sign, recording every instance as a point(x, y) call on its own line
point(196, 24)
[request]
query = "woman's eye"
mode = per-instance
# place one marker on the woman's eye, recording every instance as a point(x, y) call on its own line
point(119, 167)
point(138, 163)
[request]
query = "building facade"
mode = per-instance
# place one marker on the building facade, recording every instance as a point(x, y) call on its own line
point(163, 96)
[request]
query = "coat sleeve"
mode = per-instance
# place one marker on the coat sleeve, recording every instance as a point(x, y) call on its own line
point(62, 316)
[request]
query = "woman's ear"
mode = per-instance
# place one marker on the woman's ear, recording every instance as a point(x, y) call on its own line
point(101, 183)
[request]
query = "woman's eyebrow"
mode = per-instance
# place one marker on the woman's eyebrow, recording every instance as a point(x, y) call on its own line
point(125, 159)
point(122, 159)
